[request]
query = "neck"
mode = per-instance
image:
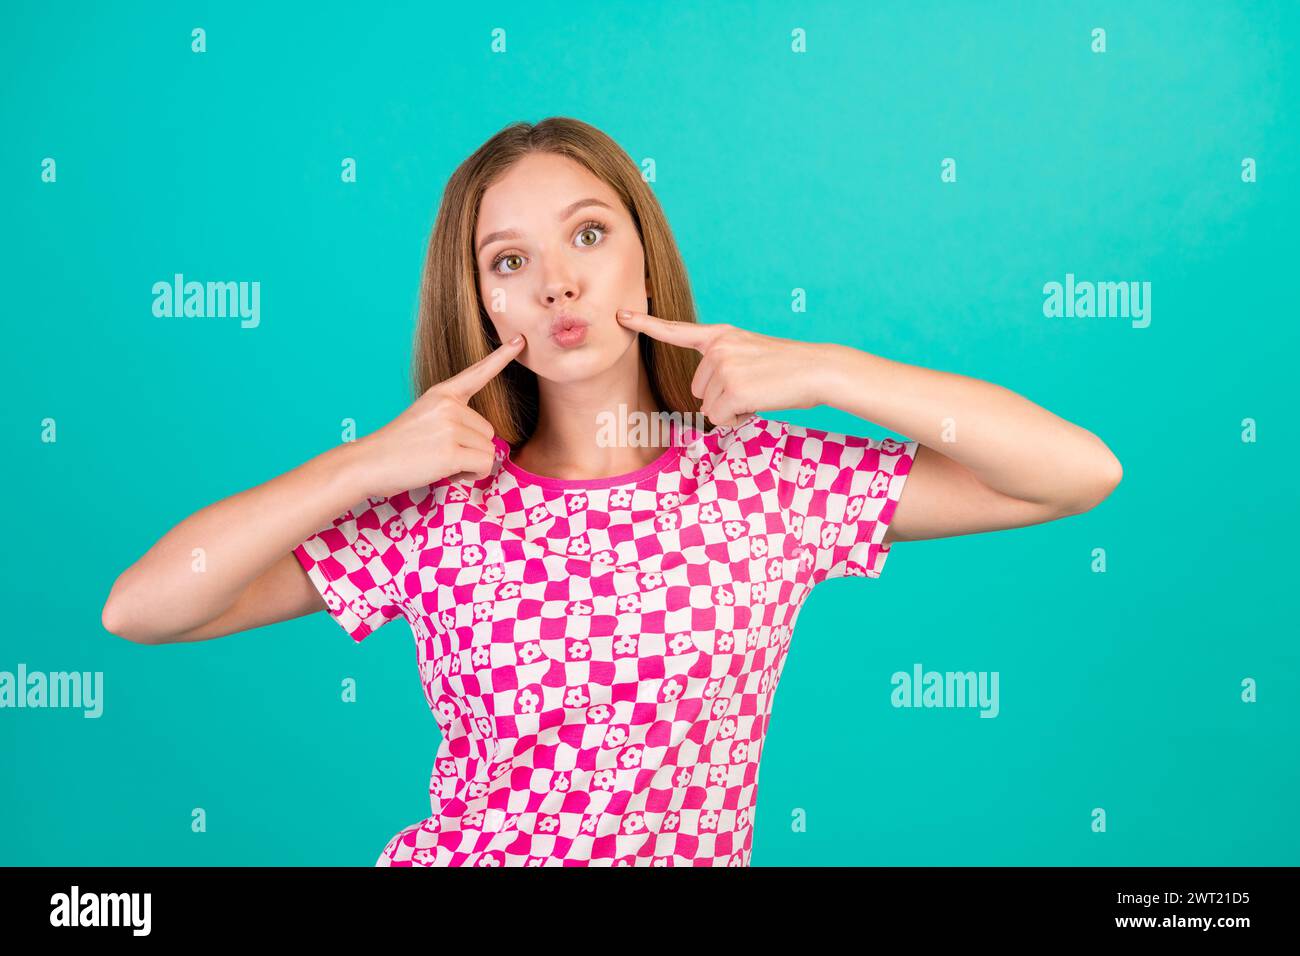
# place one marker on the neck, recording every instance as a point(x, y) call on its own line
point(574, 438)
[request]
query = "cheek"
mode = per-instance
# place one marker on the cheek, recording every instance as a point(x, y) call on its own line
point(496, 305)
point(491, 304)
point(631, 278)
point(498, 297)
point(498, 326)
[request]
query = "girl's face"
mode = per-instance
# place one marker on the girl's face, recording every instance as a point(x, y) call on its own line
point(554, 242)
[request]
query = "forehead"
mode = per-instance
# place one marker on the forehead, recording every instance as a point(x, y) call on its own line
point(535, 190)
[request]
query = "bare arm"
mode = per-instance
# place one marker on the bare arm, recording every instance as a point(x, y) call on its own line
point(1015, 447)
point(1005, 463)
point(250, 577)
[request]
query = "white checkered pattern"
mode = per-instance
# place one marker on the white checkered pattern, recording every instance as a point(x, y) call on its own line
point(601, 656)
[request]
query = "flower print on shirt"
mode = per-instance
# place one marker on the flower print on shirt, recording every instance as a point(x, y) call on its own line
point(602, 656)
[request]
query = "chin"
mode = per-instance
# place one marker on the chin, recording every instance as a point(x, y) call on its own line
point(575, 370)
point(577, 365)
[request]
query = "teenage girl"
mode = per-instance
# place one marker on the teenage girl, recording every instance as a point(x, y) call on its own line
point(601, 616)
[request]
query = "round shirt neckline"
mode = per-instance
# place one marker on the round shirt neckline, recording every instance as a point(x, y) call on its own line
point(678, 439)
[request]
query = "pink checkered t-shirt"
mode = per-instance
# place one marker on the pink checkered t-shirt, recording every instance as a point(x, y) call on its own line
point(601, 655)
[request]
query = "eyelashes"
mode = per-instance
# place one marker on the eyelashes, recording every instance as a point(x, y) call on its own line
point(590, 224)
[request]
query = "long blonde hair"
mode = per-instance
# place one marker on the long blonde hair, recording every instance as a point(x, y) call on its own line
point(453, 329)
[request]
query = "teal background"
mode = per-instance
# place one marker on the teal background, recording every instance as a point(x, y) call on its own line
point(818, 171)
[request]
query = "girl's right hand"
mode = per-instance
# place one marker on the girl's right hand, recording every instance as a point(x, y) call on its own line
point(438, 435)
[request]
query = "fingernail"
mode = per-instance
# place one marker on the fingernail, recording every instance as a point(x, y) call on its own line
point(624, 314)
point(517, 339)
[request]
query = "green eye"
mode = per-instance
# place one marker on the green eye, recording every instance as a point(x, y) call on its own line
point(591, 225)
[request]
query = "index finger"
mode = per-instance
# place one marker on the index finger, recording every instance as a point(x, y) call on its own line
point(472, 378)
point(690, 335)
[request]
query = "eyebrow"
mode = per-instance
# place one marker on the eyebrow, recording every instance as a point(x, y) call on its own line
point(565, 213)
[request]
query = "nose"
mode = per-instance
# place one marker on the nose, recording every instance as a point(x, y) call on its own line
point(559, 284)
point(559, 292)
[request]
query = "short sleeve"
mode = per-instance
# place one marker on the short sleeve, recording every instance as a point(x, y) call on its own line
point(839, 493)
point(356, 564)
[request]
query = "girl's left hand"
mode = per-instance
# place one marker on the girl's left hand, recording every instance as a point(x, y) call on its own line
point(741, 371)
